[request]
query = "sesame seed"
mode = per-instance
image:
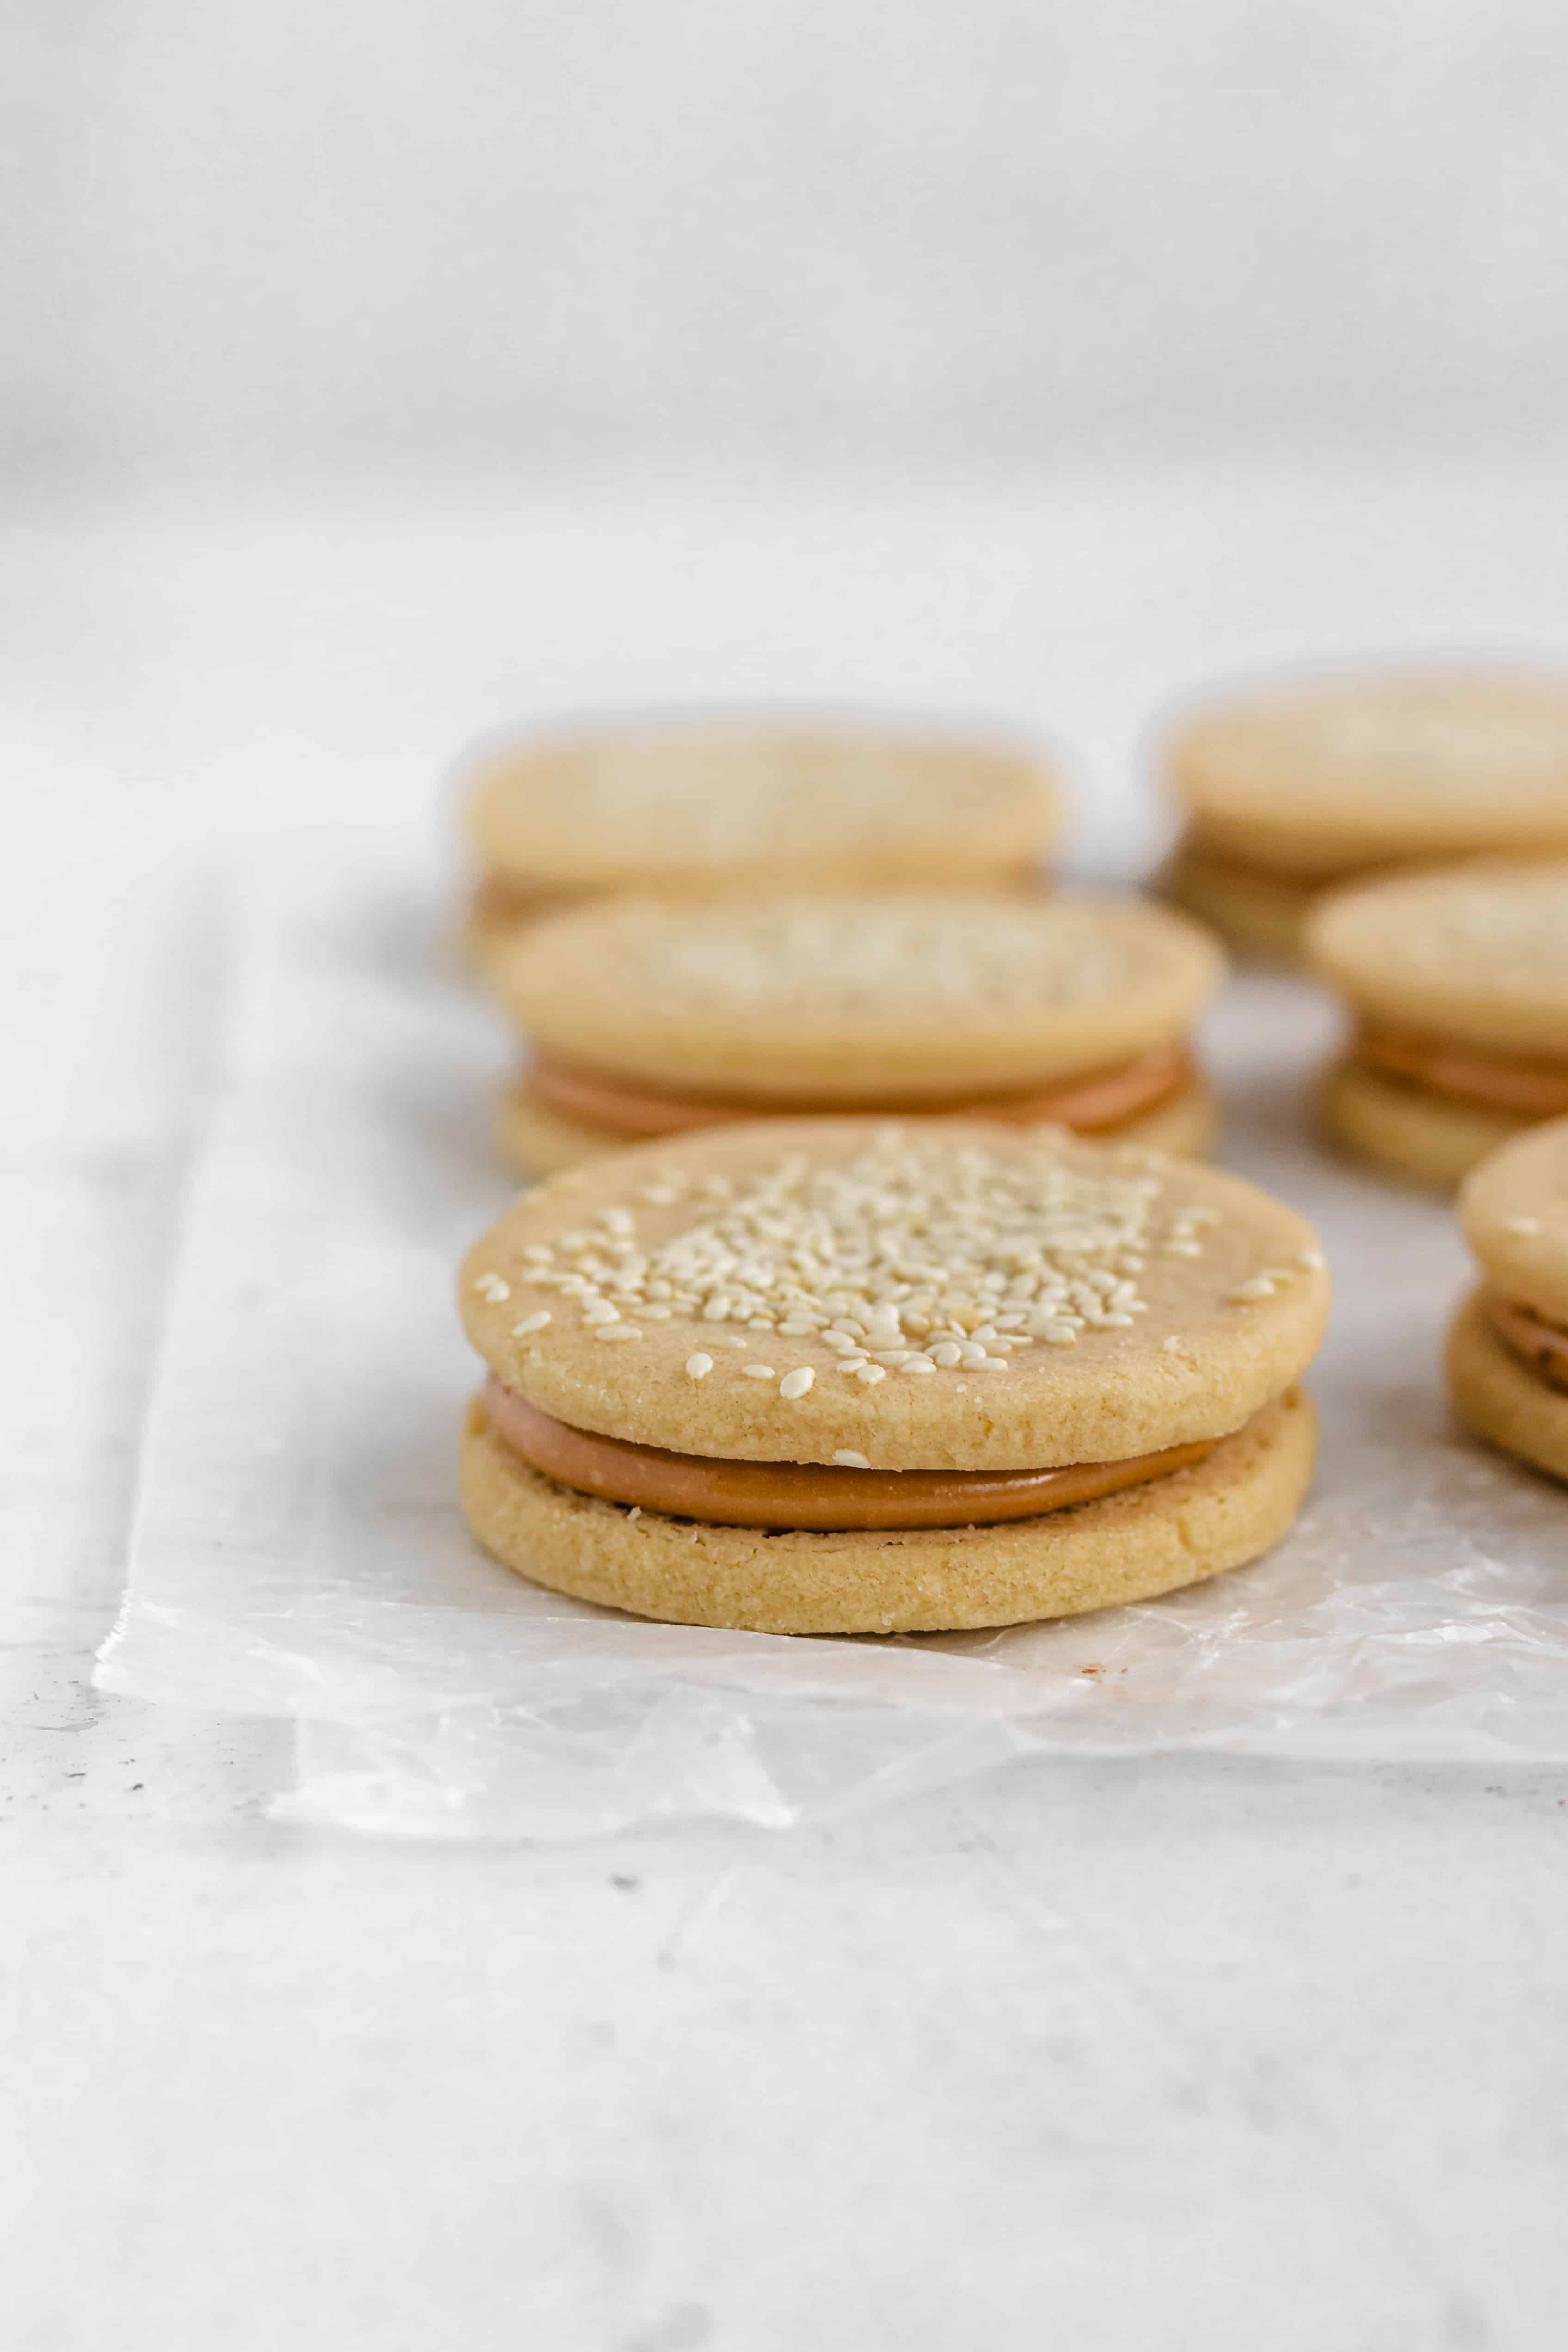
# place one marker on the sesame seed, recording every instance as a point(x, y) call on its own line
point(848, 1459)
point(796, 1383)
point(757, 1371)
point(635, 1512)
point(947, 1354)
point(616, 1331)
point(870, 1374)
point(699, 1366)
point(917, 1364)
point(532, 1323)
point(991, 1364)
point(1248, 1293)
point(493, 1287)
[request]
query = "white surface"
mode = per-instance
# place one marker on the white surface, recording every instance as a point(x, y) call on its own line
point(254, 238)
point(1171, 2054)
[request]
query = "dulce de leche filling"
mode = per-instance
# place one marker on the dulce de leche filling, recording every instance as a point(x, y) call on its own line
point(1468, 1074)
point(621, 1108)
point(808, 1495)
point(1542, 1347)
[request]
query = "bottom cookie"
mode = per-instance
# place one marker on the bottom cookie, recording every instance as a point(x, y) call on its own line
point(1132, 1546)
point(538, 1142)
point(1412, 1133)
point(1501, 1399)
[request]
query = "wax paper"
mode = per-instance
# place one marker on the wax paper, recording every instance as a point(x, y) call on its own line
point(297, 1549)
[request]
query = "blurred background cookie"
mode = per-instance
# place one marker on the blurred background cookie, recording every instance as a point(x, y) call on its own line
point(648, 1019)
point(1457, 982)
point(690, 809)
point(1508, 1346)
point(1292, 789)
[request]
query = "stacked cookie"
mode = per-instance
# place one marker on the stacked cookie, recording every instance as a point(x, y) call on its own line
point(842, 1375)
point(1294, 791)
point(692, 811)
point(1508, 1348)
point(647, 1019)
point(1457, 984)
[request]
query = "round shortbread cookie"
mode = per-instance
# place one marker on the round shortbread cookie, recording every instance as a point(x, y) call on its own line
point(1319, 778)
point(693, 808)
point(1261, 915)
point(1406, 1130)
point(890, 996)
point(1478, 953)
point(541, 1143)
point(1514, 1211)
point(1021, 1299)
point(1499, 1398)
point(1128, 1547)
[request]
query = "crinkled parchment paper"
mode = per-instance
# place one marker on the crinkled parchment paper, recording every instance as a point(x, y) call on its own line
point(297, 1549)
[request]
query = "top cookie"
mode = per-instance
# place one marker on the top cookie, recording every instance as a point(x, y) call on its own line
point(953, 1295)
point(693, 809)
point(1514, 1211)
point(1320, 780)
point(1477, 953)
point(897, 995)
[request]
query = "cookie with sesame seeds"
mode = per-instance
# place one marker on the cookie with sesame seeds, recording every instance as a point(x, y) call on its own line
point(1457, 981)
point(1507, 1355)
point(1293, 789)
point(647, 1020)
point(692, 810)
point(838, 1375)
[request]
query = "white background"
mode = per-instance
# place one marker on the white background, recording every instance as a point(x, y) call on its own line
point(530, 232)
point(369, 377)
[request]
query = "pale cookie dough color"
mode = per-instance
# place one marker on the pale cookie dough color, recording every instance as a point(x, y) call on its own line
point(692, 811)
point(646, 1019)
point(1458, 985)
point(854, 1376)
point(1508, 1348)
point(1292, 790)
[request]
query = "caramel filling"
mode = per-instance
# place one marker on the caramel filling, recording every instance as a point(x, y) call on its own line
point(506, 898)
point(808, 1495)
point(620, 1108)
point(1541, 1347)
point(500, 900)
point(1466, 1073)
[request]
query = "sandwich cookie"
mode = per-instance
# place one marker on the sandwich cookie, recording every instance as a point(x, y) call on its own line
point(1459, 984)
point(647, 1019)
point(1508, 1346)
point(848, 1375)
point(1294, 790)
point(692, 812)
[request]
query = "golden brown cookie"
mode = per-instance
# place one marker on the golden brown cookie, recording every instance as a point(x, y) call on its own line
point(647, 1019)
point(1457, 980)
point(876, 1297)
point(1289, 789)
point(692, 810)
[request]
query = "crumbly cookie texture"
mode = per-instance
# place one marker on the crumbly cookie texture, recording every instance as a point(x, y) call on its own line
point(1478, 952)
point(671, 806)
point(541, 1143)
point(1126, 1546)
point(1514, 1208)
point(963, 1296)
point(1501, 1397)
point(1318, 778)
point(894, 994)
point(1427, 1138)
